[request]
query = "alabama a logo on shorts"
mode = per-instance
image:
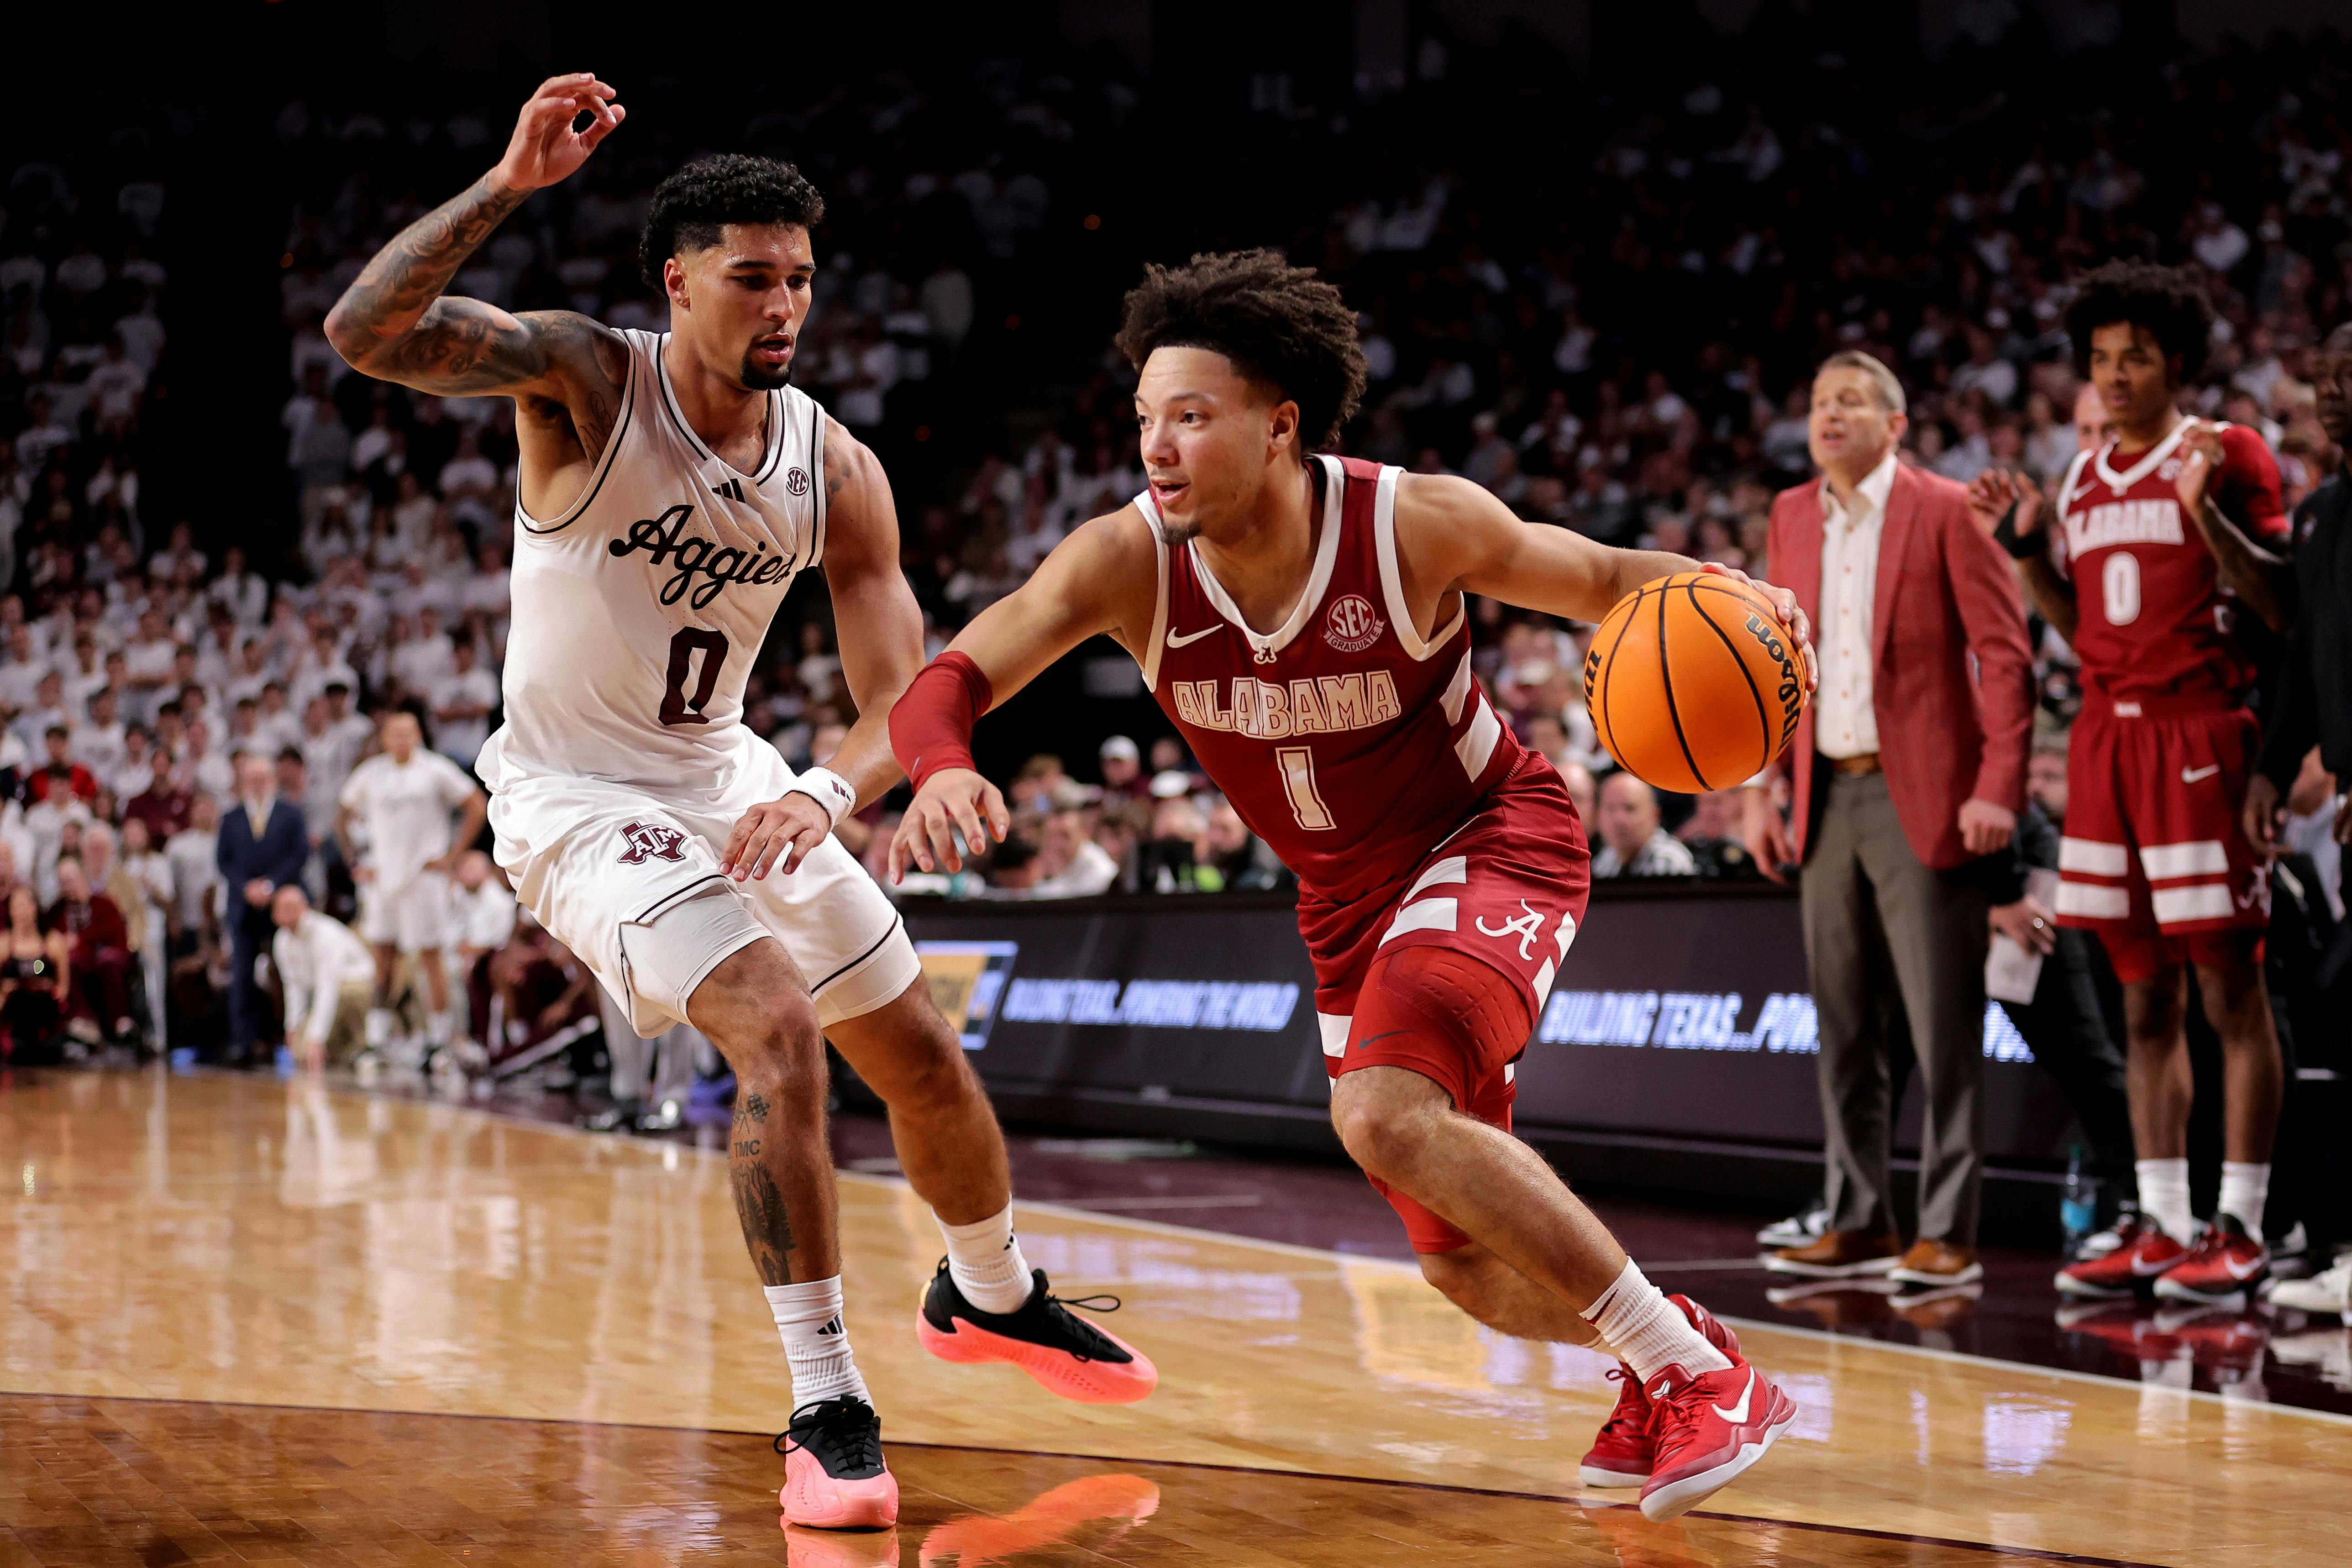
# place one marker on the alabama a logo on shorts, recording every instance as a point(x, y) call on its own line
point(652, 838)
point(1352, 625)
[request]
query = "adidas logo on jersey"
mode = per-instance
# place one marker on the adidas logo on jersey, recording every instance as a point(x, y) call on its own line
point(1266, 711)
point(719, 566)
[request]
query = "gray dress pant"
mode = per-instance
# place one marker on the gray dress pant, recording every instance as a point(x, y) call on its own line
point(1882, 931)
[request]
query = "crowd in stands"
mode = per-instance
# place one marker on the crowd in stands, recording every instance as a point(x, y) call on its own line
point(1606, 312)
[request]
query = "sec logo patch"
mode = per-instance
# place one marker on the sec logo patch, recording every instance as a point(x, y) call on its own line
point(1352, 625)
point(796, 481)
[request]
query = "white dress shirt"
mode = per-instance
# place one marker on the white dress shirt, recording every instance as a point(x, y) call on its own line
point(1844, 724)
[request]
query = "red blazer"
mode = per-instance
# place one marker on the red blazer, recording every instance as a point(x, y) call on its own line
point(1945, 733)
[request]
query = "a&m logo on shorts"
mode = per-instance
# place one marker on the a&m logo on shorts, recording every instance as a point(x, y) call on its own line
point(652, 838)
point(796, 481)
point(1352, 625)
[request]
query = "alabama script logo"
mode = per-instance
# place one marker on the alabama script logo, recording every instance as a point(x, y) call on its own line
point(652, 838)
point(1352, 624)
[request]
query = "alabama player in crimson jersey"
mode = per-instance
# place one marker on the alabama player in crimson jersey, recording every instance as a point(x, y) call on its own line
point(1301, 619)
point(2156, 564)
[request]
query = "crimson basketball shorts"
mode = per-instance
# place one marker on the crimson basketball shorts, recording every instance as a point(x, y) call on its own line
point(1507, 888)
point(2154, 859)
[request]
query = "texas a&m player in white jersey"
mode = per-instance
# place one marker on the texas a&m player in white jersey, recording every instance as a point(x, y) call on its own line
point(671, 487)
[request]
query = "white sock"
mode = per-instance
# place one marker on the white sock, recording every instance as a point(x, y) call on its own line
point(1648, 1330)
point(2245, 1191)
point(816, 1346)
point(986, 1262)
point(437, 1028)
point(379, 1026)
point(2164, 1196)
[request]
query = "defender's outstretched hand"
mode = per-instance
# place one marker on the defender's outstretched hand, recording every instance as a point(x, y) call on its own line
point(544, 148)
point(950, 800)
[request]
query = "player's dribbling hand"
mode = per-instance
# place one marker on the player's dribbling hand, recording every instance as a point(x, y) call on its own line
point(544, 148)
point(792, 827)
point(952, 801)
point(1784, 605)
point(2200, 458)
point(1994, 491)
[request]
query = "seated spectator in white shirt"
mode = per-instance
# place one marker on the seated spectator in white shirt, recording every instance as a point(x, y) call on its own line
point(329, 975)
point(484, 906)
point(251, 672)
point(490, 591)
point(21, 670)
point(469, 482)
point(276, 725)
point(179, 561)
point(463, 701)
point(148, 665)
point(193, 853)
point(322, 666)
point(209, 771)
point(240, 588)
point(1633, 844)
point(48, 711)
point(1070, 863)
point(421, 661)
point(84, 671)
point(421, 586)
point(115, 385)
point(134, 772)
point(99, 744)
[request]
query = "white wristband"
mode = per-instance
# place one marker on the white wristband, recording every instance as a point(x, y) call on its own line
point(828, 790)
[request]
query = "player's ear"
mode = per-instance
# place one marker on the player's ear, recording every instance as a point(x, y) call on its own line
point(674, 284)
point(1282, 428)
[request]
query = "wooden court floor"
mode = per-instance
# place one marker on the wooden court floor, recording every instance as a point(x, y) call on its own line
point(251, 1322)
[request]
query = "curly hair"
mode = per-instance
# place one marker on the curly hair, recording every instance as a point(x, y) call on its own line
point(1279, 324)
point(2169, 301)
point(690, 206)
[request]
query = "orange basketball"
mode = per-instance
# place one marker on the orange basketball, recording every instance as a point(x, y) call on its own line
point(1692, 684)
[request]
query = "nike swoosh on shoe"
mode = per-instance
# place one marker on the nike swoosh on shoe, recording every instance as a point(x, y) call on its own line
point(1738, 1412)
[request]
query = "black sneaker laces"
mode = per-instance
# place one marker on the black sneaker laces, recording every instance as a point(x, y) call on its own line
point(843, 1433)
point(1051, 1314)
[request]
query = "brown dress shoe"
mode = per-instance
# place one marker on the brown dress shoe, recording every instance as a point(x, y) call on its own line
point(1937, 1263)
point(1838, 1255)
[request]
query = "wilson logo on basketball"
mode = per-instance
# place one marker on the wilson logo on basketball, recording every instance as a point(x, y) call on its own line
point(796, 481)
point(652, 838)
point(1352, 625)
point(1791, 690)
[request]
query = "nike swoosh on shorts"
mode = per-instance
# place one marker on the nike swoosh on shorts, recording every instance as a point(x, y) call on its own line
point(2190, 775)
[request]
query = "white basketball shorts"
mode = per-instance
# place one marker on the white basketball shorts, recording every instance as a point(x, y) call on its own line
point(592, 859)
point(415, 919)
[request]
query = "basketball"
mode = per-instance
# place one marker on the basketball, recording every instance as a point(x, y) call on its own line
point(1692, 684)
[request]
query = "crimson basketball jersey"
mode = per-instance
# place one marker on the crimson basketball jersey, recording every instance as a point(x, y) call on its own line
point(1345, 741)
point(2154, 620)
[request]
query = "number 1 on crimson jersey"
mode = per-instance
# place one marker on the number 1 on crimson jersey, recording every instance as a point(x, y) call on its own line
point(1298, 764)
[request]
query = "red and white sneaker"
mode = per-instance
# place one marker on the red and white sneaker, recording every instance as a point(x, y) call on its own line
point(1621, 1455)
point(1709, 1429)
point(2142, 1252)
point(834, 1475)
point(2225, 1265)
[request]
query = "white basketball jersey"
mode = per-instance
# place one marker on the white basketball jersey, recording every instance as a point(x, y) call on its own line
point(638, 612)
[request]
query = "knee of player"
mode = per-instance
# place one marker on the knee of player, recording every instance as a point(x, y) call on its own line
point(1379, 1134)
point(776, 1055)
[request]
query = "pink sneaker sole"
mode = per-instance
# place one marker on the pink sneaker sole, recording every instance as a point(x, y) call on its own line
point(814, 1499)
point(1057, 1372)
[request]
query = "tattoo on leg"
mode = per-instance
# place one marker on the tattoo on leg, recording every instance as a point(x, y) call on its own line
point(752, 1109)
point(766, 1230)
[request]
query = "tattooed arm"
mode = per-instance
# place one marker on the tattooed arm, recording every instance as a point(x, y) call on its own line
point(394, 322)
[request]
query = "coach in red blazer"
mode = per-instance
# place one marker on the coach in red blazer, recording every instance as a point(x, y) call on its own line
point(1909, 765)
